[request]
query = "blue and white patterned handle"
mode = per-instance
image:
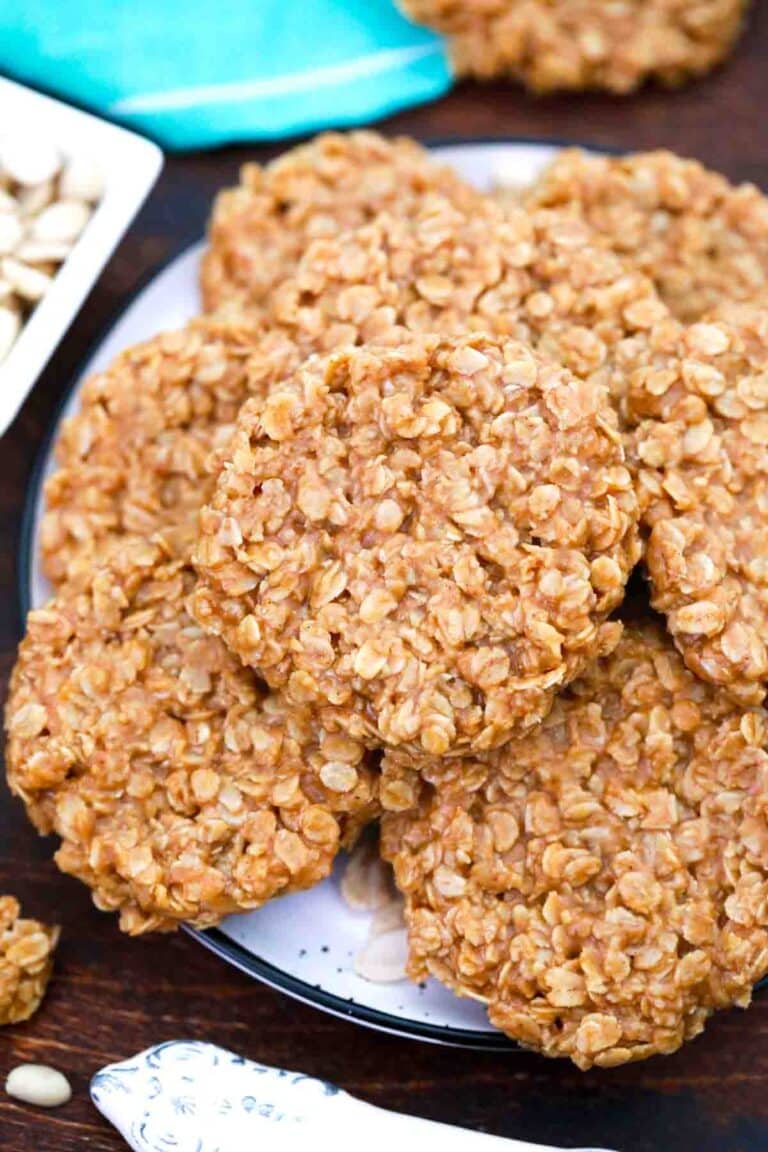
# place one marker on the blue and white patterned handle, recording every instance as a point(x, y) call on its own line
point(188, 1096)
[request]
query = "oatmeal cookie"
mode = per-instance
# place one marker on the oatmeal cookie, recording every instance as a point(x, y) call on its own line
point(132, 460)
point(601, 883)
point(700, 397)
point(539, 276)
point(259, 230)
point(700, 239)
point(554, 45)
point(26, 962)
point(179, 788)
point(425, 540)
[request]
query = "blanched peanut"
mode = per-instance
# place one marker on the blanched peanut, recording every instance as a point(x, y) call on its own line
point(46, 202)
point(38, 1084)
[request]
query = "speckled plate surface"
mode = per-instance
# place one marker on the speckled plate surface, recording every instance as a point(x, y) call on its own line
point(302, 944)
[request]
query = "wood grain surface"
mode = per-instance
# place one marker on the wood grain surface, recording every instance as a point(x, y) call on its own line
point(112, 996)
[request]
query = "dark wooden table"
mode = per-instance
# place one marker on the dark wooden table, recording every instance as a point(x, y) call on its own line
point(111, 996)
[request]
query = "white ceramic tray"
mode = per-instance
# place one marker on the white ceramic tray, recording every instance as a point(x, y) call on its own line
point(130, 165)
point(303, 944)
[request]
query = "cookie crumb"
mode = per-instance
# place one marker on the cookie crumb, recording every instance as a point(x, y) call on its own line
point(26, 962)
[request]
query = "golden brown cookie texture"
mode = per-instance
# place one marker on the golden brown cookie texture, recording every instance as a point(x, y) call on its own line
point(424, 540)
point(260, 229)
point(136, 458)
point(553, 45)
point(539, 276)
point(701, 239)
point(26, 962)
point(699, 396)
point(536, 275)
point(180, 790)
point(133, 458)
point(601, 883)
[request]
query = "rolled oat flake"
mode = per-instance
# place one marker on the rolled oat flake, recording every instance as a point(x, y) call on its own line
point(38, 1084)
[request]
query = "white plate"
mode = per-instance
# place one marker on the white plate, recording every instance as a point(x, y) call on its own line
point(303, 944)
point(130, 165)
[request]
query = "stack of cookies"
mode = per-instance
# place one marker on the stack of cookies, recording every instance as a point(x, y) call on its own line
point(355, 545)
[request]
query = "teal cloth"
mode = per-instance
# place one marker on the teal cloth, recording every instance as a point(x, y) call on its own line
point(196, 73)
